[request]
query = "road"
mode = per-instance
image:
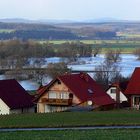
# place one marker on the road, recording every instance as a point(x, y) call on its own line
point(68, 128)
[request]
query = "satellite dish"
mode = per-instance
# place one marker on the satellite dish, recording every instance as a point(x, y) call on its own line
point(89, 102)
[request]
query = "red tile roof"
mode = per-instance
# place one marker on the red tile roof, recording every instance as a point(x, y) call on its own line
point(14, 95)
point(133, 87)
point(82, 85)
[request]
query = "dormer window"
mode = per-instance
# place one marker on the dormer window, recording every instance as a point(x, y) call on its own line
point(90, 91)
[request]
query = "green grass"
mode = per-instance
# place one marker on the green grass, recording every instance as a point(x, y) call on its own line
point(127, 46)
point(115, 134)
point(69, 119)
point(129, 35)
point(6, 30)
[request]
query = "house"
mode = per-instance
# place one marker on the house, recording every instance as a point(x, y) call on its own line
point(14, 99)
point(116, 92)
point(133, 89)
point(71, 90)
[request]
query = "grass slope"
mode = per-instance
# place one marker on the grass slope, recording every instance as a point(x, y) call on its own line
point(69, 119)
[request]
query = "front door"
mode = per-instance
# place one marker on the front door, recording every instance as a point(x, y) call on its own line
point(136, 102)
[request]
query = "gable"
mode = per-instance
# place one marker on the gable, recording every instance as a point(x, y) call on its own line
point(58, 85)
point(56, 90)
point(112, 92)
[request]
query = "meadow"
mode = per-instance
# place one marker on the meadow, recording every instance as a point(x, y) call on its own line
point(126, 46)
point(110, 134)
point(6, 30)
point(71, 119)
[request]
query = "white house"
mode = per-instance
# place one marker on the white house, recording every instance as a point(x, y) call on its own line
point(116, 92)
point(14, 98)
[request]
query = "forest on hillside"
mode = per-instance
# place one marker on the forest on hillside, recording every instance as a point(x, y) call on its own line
point(26, 31)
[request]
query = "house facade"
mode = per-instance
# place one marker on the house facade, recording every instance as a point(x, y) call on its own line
point(133, 89)
point(116, 92)
point(14, 99)
point(69, 91)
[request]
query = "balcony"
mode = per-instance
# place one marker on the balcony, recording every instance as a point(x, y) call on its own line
point(61, 102)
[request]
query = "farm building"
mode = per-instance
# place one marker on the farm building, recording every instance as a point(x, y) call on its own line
point(71, 91)
point(13, 98)
point(116, 92)
point(133, 89)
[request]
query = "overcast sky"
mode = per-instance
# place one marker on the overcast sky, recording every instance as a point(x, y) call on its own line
point(70, 9)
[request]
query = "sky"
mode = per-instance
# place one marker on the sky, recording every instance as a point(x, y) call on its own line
point(70, 9)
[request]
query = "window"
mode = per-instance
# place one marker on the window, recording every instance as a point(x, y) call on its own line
point(90, 91)
point(113, 90)
point(64, 96)
point(59, 82)
point(52, 95)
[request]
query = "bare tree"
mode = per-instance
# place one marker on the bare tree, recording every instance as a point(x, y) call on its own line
point(96, 51)
point(113, 55)
point(39, 76)
point(107, 73)
point(137, 53)
point(53, 70)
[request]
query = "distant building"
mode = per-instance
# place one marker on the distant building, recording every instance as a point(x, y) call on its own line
point(133, 89)
point(14, 99)
point(72, 91)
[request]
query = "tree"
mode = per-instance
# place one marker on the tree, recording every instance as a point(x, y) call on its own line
point(107, 72)
point(137, 53)
point(113, 55)
point(39, 76)
point(96, 50)
point(53, 70)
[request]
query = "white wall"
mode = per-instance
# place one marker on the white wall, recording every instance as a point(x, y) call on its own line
point(113, 95)
point(4, 109)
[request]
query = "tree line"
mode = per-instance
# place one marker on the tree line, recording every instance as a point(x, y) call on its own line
point(17, 54)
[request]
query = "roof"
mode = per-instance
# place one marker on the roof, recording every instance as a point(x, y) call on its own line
point(133, 87)
point(84, 87)
point(14, 95)
point(123, 85)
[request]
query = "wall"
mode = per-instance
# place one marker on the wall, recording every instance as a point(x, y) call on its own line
point(4, 109)
point(113, 95)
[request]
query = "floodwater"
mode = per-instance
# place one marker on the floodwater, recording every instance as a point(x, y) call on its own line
point(127, 64)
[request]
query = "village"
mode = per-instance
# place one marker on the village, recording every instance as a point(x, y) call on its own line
point(70, 92)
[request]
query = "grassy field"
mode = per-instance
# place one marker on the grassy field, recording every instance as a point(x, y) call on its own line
point(129, 35)
point(127, 46)
point(6, 30)
point(69, 119)
point(115, 134)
